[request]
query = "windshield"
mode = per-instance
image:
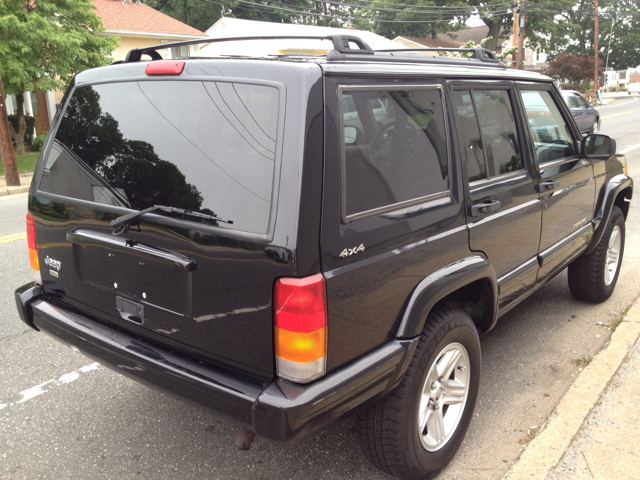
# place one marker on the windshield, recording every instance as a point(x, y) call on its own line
point(209, 147)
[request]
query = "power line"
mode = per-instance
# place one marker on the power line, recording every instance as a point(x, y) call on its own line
point(345, 17)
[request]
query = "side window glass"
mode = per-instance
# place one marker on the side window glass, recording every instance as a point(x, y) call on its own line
point(574, 101)
point(582, 102)
point(394, 148)
point(498, 129)
point(551, 135)
point(469, 136)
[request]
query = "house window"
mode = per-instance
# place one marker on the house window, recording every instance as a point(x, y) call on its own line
point(537, 55)
point(177, 52)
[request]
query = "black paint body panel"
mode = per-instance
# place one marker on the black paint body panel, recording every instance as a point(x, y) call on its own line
point(207, 291)
point(283, 411)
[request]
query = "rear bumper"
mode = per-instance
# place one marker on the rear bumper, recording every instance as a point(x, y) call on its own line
point(281, 411)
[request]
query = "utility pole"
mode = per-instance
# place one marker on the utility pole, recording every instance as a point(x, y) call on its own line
point(6, 145)
point(516, 34)
point(595, 59)
point(523, 24)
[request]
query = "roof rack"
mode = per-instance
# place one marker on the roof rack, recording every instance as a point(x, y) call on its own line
point(342, 51)
point(341, 43)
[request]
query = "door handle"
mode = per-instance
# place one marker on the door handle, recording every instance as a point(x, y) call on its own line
point(547, 186)
point(487, 206)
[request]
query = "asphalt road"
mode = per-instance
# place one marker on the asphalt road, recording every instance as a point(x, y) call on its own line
point(63, 416)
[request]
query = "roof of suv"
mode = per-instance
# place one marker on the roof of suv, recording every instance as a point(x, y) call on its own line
point(371, 67)
point(345, 59)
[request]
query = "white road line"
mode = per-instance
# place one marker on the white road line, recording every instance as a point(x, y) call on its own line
point(628, 149)
point(38, 390)
point(617, 104)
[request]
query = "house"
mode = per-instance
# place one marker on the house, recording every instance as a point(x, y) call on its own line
point(228, 27)
point(621, 78)
point(137, 25)
point(534, 59)
point(416, 42)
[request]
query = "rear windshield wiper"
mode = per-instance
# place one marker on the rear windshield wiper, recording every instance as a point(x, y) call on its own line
point(125, 221)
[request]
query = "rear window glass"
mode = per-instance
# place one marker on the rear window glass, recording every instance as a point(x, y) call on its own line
point(209, 147)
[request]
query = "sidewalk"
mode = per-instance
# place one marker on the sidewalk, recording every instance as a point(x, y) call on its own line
point(594, 432)
point(25, 183)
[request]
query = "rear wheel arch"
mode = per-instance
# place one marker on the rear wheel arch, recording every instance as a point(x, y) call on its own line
point(468, 284)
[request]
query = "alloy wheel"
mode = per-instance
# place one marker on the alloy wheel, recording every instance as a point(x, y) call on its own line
point(443, 398)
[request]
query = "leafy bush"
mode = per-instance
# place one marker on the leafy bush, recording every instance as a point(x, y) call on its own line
point(37, 142)
point(31, 124)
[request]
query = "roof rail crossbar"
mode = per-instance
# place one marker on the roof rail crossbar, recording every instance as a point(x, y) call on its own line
point(341, 43)
point(479, 53)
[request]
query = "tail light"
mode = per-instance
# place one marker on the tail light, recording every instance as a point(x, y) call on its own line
point(300, 310)
point(31, 245)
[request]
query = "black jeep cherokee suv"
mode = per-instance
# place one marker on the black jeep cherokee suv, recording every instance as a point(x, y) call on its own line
point(287, 240)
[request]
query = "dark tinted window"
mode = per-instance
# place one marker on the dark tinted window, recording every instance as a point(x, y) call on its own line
point(395, 147)
point(551, 135)
point(498, 128)
point(202, 146)
point(469, 136)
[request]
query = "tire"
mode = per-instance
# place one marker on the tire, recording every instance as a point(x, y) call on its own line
point(596, 126)
point(593, 277)
point(389, 431)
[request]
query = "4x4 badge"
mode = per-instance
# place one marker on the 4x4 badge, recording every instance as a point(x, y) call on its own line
point(350, 251)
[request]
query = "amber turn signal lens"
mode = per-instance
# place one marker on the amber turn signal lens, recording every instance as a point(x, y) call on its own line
point(31, 243)
point(301, 347)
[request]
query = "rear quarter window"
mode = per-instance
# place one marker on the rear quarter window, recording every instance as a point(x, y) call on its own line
point(210, 147)
point(394, 148)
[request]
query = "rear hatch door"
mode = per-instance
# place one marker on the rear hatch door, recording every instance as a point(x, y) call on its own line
point(190, 282)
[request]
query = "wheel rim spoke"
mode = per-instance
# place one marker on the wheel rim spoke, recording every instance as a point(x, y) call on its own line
point(612, 258)
point(455, 393)
point(424, 417)
point(447, 363)
point(435, 426)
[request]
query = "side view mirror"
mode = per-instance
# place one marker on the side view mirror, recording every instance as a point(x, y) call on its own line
point(599, 147)
point(350, 135)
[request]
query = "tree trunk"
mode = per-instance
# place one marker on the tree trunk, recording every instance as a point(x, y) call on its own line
point(18, 136)
point(434, 33)
point(6, 147)
point(494, 30)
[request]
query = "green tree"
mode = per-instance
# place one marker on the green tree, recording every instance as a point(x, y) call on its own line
point(202, 14)
point(568, 27)
point(414, 18)
point(43, 43)
point(498, 17)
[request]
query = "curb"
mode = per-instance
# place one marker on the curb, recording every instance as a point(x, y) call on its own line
point(547, 448)
point(13, 190)
point(25, 180)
